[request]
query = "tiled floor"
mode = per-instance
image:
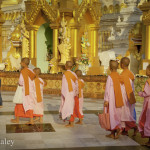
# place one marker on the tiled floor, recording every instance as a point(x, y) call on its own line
point(87, 136)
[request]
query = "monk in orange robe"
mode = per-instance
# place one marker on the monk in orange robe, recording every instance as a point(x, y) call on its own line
point(78, 113)
point(25, 110)
point(127, 118)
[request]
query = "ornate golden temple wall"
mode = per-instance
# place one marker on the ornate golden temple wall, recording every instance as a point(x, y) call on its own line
point(94, 85)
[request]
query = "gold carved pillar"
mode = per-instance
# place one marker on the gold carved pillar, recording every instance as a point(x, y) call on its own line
point(74, 40)
point(33, 43)
point(94, 40)
point(145, 7)
point(94, 43)
point(147, 48)
point(54, 61)
point(95, 68)
point(1, 22)
point(55, 28)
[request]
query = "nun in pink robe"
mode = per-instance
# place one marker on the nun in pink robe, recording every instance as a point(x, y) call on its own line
point(28, 101)
point(144, 120)
point(128, 109)
point(38, 108)
point(115, 113)
point(67, 98)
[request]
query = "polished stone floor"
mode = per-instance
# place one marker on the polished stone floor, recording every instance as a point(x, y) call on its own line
point(24, 128)
point(53, 134)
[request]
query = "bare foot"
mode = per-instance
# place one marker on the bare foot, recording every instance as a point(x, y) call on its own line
point(118, 133)
point(31, 122)
point(110, 136)
point(36, 119)
point(79, 122)
point(71, 124)
point(14, 121)
point(135, 131)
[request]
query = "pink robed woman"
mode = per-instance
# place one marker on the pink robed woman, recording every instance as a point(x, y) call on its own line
point(114, 112)
point(127, 118)
point(67, 97)
point(38, 108)
point(68, 92)
point(113, 100)
point(28, 100)
point(144, 120)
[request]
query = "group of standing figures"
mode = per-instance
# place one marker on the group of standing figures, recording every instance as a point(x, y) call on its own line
point(29, 95)
point(119, 99)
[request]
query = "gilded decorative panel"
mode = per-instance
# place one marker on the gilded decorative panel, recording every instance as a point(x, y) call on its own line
point(139, 86)
point(94, 85)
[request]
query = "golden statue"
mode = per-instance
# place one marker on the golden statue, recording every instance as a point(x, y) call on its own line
point(65, 46)
point(53, 65)
point(67, 39)
point(64, 49)
point(85, 43)
point(13, 60)
point(13, 56)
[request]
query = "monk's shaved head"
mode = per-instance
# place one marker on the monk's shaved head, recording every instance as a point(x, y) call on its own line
point(125, 61)
point(25, 60)
point(113, 64)
point(37, 71)
point(69, 64)
point(78, 73)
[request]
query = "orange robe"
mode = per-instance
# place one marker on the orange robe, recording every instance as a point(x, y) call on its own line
point(26, 73)
point(128, 121)
point(20, 112)
point(76, 112)
point(127, 76)
point(113, 96)
point(68, 92)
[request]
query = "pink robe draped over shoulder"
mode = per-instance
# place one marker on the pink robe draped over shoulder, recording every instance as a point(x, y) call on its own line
point(38, 107)
point(67, 98)
point(28, 101)
point(115, 113)
point(127, 109)
point(144, 120)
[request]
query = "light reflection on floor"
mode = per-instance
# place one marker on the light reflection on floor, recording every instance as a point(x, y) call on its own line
point(53, 133)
